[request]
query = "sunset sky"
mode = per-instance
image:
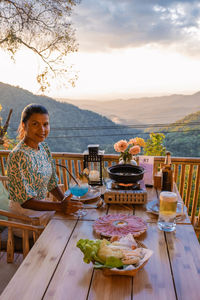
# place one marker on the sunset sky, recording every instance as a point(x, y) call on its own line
point(127, 48)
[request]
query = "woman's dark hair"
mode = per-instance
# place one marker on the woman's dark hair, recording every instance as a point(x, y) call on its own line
point(27, 112)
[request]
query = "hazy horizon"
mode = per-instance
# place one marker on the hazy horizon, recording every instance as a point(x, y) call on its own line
point(127, 49)
point(130, 97)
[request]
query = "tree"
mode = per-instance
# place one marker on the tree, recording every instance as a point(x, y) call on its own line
point(154, 145)
point(44, 27)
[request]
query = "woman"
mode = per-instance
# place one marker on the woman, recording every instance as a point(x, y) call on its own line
point(31, 170)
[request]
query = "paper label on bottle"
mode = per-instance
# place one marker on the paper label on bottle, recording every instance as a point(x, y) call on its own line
point(147, 162)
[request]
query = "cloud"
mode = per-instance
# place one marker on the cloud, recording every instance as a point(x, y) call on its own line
point(113, 24)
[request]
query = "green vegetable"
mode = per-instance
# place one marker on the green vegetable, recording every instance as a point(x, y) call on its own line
point(90, 249)
point(113, 262)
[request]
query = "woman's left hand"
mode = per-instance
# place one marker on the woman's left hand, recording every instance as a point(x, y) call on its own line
point(70, 206)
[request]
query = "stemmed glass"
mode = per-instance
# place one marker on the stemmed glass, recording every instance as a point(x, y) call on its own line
point(78, 188)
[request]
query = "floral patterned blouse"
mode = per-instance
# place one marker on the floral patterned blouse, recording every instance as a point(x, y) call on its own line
point(31, 172)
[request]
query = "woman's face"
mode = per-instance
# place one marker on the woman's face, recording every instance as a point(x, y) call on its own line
point(36, 129)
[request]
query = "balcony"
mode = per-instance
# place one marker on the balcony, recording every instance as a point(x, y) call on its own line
point(186, 176)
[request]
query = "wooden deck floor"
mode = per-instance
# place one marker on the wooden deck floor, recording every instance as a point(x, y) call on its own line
point(8, 270)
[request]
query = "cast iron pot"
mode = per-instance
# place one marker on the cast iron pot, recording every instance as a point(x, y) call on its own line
point(126, 173)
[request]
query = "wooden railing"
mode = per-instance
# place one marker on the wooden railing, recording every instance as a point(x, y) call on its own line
point(186, 175)
point(187, 179)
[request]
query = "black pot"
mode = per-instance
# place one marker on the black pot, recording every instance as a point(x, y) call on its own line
point(125, 173)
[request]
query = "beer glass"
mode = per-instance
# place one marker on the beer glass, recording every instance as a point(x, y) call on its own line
point(167, 211)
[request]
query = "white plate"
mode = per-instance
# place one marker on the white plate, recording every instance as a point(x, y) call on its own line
point(89, 196)
point(152, 206)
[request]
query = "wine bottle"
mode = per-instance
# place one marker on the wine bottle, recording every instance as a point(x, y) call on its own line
point(167, 174)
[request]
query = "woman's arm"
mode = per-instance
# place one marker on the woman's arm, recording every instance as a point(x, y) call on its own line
point(42, 205)
point(65, 205)
point(58, 193)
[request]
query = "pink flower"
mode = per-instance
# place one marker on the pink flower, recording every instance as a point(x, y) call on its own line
point(121, 146)
point(133, 141)
point(134, 150)
point(116, 147)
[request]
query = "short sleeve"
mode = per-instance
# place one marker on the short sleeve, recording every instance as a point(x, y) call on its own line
point(21, 183)
point(53, 182)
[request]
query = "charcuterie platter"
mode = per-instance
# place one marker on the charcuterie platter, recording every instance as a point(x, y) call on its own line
point(119, 225)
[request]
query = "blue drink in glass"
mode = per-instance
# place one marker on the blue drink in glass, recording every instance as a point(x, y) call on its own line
point(79, 191)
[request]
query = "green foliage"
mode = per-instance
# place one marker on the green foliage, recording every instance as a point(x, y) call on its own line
point(8, 144)
point(154, 145)
point(183, 137)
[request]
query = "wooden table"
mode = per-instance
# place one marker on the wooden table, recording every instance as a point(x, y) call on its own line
point(54, 268)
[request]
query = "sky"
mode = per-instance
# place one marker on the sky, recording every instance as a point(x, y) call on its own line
point(127, 48)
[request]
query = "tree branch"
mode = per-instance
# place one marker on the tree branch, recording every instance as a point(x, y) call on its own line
point(41, 26)
point(36, 51)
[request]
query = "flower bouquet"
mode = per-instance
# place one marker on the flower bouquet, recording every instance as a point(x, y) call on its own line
point(129, 149)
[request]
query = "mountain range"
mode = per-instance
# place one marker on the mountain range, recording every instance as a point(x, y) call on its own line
point(72, 129)
point(148, 110)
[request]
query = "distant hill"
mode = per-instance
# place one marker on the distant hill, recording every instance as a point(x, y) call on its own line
point(72, 129)
point(183, 136)
point(148, 110)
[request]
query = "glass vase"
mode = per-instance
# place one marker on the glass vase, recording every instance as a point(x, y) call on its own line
point(128, 161)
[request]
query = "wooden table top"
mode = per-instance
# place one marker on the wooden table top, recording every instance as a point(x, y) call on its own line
point(54, 268)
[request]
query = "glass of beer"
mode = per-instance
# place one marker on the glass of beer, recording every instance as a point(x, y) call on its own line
point(167, 211)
